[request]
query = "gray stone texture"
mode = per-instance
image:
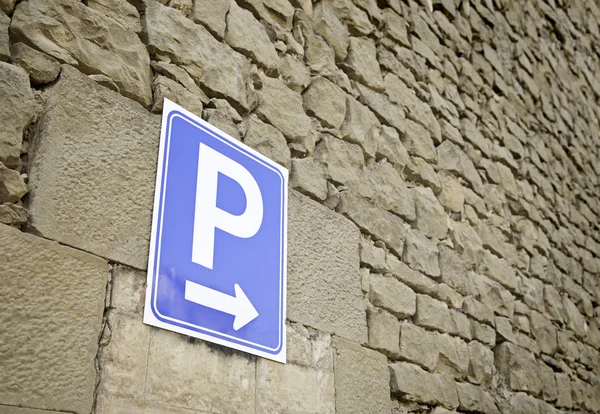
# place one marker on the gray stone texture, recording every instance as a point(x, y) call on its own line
point(120, 56)
point(323, 287)
point(51, 307)
point(68, 139)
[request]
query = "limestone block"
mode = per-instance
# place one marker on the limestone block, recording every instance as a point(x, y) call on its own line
point(51, 307)
point(415, 280)
point(324, 286)
point(518, 367)
point(453, 270)
point(275, 12)
point(478, 310)
point(390, 147)
point(212, 14)
point(418, 346)
point(343, 160)
point(282, 108)
point(460, 325)
point(293, 72)
point(198, 375)
point(4, 39)
point(383, 186)
point(563, 385)
point(362, 379)
point(395, 27)
point(163, 87)
point(524, 404)
point(328, 25)
point(70, 184)
point(12, 186)
point(6, 409)
point(128, 290)
point(292, 387)
point(483, 333)
point(124, 362)
point(326, 101)
point(40, 67)
point(13, 214)
point(308, 177)
point(494, 295)
point(453, 159)
point(421, 254)
point(384, 331)
point(372, 256)
point(116, 405)
point(388, 112)
point(415, 384)
point(499, 270)
point(431, 217)
point(248, 36)
point(361, 126)
point(267, 140)
point(417, 141)
point(171, 37)
point(481, 364)
point(475, 399)
point(390, 294)
point(381, 224)
point(119, 10)
point(453, 356)
point(120, 56)
point(362, 64)
point(467, 242)
point(17, 112)
point(544, 332)
point(432, 314)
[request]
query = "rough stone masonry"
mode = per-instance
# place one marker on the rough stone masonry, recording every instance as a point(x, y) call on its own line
point(444, 223)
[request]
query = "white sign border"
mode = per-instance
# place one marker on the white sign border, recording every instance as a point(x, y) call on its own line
point(149, 317)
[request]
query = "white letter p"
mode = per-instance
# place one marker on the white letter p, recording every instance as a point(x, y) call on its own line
point(209, 217)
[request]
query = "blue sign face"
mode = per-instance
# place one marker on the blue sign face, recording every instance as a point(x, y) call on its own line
point(217, 265)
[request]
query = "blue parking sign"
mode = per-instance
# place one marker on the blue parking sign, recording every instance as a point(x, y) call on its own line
point(217, 264)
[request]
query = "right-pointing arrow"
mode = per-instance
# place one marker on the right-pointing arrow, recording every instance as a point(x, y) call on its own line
point(238, 305)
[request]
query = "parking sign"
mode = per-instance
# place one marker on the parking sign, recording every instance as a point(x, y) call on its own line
point(217, 264)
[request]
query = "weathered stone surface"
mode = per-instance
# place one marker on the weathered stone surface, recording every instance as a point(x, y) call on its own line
point(294, 74)
point(421, 254)
point(478, 310)
point(12, 186)
point(386, 111)
point(475, 399)
point(492, 294)
point(17, 112)
point(308, 177)
point(415, 280)
point(343, 160)
point(384, 331)
point(432, 313)
point(6, 409)
point(232, 377)
point(453, 159)
point(395, 26)
point(390, 147)
point(384, 187)
point(119, 10)
point(4, 39)
point(163, 87)
point(124, 361)
point(362, 63)
point(467, 242)
point(453, 270)
point(83, 120)
point(326, 101)
point(115, 405)
point(544, 332)
point(246, 35)
point(431, 219)
point(391, 295)
point(518, 367)
point(372, 256)
point(417, 141)
point(362, 379)
point(282, 108)
point(481, 364)
point(173, 38)
point(212, 14)
point(499, 270)
point(51, 307)
point(40, 67)
point(415, 384)
point(293, 387)
point(275, 12)
point(328, 25)
point(482, 332)
point(418, 346)
point(323, 282)
point(361, 126)
point(13, 214)
point(96, 44)
point(382, 224)
point(267, 140)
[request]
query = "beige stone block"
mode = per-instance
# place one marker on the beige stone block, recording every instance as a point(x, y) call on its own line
point(124, 364)
point(293, 388)
point(51, 306)
point(6, 409)
point(111, 405)
point(128, 289)
point(362, 379)
point(189, 373)
point(324, 285)
point(93, 169)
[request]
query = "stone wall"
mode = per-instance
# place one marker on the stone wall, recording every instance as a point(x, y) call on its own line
point(444, 244)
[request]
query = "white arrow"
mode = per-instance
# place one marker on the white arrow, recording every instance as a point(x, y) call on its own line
point(238, 305)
